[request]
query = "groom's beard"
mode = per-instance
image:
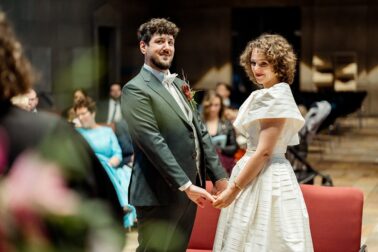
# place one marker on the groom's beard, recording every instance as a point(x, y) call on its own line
point(160, 64)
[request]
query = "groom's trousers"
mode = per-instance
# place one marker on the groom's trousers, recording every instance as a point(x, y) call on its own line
point(166, 228)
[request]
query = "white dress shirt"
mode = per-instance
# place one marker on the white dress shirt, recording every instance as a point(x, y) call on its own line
point(114, 111)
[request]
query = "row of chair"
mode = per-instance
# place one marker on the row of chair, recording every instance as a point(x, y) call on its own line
point(335, 215)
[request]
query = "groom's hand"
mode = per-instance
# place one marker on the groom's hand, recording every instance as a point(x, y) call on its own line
point(198, 195)
point(219, 186)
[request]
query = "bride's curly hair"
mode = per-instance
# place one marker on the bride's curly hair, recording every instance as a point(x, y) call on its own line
point(277, 51)
point(16, 74)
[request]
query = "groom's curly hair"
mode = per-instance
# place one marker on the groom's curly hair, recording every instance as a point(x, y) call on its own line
point(277, 51)
point(156, 26)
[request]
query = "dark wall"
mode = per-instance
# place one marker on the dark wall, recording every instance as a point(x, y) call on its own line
point(60, 38)
point(330, 27)
point(209, 43)
point(204, 41)
point(249, 23)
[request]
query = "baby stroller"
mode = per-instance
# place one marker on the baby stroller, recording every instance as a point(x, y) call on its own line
point(297, 155)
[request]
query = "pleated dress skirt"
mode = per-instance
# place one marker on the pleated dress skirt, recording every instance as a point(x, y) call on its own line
point(268, 215)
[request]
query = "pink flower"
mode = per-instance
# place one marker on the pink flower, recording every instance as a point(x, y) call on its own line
point(38, 185)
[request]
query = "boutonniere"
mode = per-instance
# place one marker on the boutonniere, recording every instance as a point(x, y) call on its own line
point(189, 93)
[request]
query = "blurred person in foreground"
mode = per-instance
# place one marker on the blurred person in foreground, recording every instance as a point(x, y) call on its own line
point(173, 150)
point(21, 101)
point(264, 209)
point(43, 161)
point(220, 129)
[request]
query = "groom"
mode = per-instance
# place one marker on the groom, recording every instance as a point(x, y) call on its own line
point(173, 152)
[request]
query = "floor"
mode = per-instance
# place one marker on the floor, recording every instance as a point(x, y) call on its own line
point(349, 154)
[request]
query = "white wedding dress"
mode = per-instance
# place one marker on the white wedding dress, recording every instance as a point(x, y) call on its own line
point(270, 213)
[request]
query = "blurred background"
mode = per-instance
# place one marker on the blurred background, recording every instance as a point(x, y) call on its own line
point(92, 43)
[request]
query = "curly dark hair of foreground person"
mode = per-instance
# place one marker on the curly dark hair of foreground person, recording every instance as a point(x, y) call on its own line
point(16, 74)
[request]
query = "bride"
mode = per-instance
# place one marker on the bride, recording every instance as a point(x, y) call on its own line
point(264, 208)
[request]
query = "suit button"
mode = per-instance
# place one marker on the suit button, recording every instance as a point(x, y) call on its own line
point(191, 135)
point(194, 155)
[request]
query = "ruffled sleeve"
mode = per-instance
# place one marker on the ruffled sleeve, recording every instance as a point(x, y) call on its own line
point(274, 102)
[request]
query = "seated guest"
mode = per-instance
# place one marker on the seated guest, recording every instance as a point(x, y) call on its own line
point(224, 90)
point(219, 128)
point(106, 147)
point(109, 110)
point(32, 100)
point(230, 109)
point(27, 101)
point(69, 113)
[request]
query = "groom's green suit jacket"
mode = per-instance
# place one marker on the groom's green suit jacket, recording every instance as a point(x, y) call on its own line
point(164, 143)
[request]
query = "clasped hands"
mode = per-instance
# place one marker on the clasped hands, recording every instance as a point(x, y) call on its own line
point(221, 196)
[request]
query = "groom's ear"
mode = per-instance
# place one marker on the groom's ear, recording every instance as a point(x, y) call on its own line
point(143, 47)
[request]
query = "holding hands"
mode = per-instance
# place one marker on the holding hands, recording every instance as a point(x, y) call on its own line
point(227, 196)
point(219, 186)
point(222, 194)
point(198, 195)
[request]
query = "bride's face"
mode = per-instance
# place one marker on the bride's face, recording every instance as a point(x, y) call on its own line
point(262, 70)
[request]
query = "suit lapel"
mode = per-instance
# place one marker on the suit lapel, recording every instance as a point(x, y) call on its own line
point(158, 87)
point(193, 113)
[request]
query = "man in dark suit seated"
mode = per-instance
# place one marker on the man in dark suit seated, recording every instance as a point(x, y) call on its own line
point(109, 110)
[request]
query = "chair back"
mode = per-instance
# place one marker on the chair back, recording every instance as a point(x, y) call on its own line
point(335, 217)
point(205, 226)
